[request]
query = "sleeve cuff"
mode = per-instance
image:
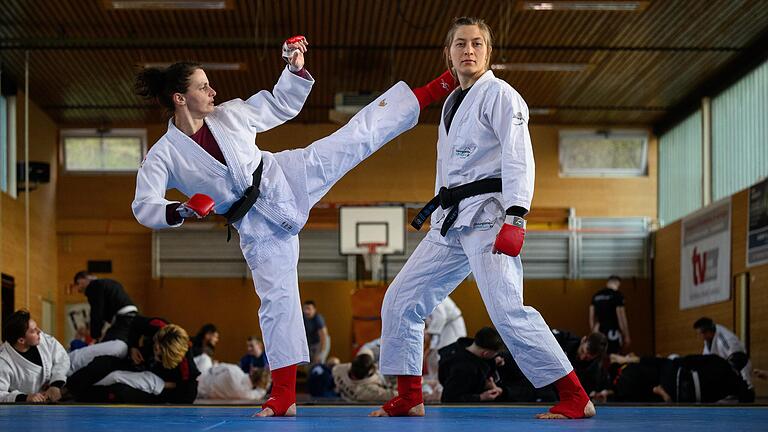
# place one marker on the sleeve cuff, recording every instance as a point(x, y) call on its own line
point(517, 211)
point(21, 397)
point(172, 217)
point(57, 384)
point(302, 73)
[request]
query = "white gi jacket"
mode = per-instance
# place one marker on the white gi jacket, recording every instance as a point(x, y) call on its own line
point(445, 324)
point(488, 138)
point(227, 381)
point(20, 376)
point(726, 343)
point(203, 362)
point(178, 162)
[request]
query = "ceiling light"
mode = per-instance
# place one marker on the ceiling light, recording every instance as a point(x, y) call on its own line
point(169, 4)
point(209, 66)
point(541, 67)
point(584, 5)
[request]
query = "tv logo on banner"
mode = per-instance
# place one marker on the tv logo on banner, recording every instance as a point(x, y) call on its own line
point(705, 261)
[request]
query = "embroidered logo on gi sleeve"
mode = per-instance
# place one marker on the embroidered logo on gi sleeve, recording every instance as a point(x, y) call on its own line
point(383, 103)
point(518, 119)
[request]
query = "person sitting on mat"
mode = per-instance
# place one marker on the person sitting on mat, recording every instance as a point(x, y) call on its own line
point(255, 357)
point(466, 368)
point(33, 364)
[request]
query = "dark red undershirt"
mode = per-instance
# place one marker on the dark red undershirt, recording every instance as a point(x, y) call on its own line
point(205, 139)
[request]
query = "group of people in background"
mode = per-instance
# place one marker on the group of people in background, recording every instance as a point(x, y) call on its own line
point(481, 369)
point(141, 359)
point(138, 359)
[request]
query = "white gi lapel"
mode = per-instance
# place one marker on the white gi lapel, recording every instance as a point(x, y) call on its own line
point(24, 363)
point(240, 177)
point(192, 148)
point(466, 103)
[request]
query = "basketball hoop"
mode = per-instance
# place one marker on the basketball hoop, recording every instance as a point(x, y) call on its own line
point(372, 259)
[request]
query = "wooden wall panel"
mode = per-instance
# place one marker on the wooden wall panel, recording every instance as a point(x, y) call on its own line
point(758, 324)
point(402, 171)
point(95, 222)
point(131, 263)
point(232, 305)
point(758, 288)
point(43, 254)
point(674, 332)
point(674, 328)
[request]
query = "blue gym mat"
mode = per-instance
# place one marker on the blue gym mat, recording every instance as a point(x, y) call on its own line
point(86, 418)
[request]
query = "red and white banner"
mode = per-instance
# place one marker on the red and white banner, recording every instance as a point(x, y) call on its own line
point(705, 256)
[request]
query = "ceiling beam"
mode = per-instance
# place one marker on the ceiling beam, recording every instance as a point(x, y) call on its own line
point(38, 44)
point(327, 106)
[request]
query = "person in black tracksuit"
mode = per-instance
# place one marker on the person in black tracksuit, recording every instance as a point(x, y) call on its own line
point(146, 337)
point(608, 315)
point(109, 304)
point(466, 368)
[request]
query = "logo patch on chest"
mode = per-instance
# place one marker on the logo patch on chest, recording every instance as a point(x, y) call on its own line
point(484, 225)
point(463, 152)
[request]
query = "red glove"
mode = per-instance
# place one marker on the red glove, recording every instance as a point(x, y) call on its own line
point(509, 240)
point(199, 205)
point(436, 89)
point(291, 46)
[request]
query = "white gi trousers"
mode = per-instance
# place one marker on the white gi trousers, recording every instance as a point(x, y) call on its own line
point(326, 161)
point(434, 270)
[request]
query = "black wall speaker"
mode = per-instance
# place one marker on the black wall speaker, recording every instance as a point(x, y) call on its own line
point(39, 172)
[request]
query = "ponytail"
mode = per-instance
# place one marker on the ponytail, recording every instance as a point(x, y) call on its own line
point(159, 85)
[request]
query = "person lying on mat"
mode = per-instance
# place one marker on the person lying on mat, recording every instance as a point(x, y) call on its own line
point(361, 381)
point(688, 379)
point(168, 375)
point(228, 381)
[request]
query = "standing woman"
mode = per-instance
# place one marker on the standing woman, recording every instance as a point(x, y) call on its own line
point(484, 187)
point(209, 154)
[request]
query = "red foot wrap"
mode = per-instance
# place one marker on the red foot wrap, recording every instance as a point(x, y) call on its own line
point(573, 398)
point(409, 395)
point(283, 390)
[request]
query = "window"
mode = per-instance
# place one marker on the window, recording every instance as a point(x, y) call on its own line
point(8, 144)
point(615, 153)
point(106, 151)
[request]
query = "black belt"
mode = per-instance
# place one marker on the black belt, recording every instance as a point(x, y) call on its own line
point(451, 197)
point(240, 208)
